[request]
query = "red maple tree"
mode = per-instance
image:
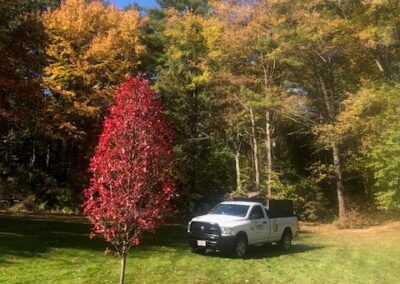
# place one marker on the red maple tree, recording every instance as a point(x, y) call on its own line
point(131, 186)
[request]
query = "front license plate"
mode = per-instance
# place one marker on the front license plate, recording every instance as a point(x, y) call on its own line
point(201, 243)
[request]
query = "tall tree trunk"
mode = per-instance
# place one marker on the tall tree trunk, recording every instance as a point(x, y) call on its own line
point(339, 183)
point(193, 120)
point(48, 156)
point(269, 70)
point(255, 148)
point(122, 273)
point(384, 64)
point(238, 176)
point(237, 143)
point(337, 163)
point(33, 156)
point(268, 146)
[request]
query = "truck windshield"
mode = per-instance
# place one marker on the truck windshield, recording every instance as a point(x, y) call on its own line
point(231, 209)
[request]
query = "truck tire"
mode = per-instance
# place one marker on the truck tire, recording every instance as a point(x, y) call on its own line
point(286, 241)
point(240, 247)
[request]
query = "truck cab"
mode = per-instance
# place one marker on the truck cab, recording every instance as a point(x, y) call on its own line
point(232, 226)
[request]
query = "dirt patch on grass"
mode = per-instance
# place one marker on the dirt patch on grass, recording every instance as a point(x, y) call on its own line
point(331, 228)
point(380, 235)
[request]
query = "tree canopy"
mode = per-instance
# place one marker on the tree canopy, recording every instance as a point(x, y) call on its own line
point(290, 99)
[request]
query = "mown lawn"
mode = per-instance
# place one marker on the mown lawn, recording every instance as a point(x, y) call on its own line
point(58, 250)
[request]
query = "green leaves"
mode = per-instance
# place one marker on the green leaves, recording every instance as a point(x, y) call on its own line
point(383, 151)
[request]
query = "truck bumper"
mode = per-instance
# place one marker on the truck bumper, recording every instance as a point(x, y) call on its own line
point(214, 242)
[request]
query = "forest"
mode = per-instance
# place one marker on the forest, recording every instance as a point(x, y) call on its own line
point(287, 99)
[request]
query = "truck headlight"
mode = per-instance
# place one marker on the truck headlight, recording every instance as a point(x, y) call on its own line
point(227, 231)
point(188, 227)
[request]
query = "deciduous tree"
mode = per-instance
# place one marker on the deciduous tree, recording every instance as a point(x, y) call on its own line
point(22, 113)
point(248, 64)
point(327, 62)
point(131, 186)
point(185, 76)
point(90, 48)
point(372, 117)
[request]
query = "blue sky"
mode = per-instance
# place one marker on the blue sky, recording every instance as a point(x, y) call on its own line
point(142, 3)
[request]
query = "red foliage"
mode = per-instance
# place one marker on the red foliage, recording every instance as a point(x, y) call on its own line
point(131, 187)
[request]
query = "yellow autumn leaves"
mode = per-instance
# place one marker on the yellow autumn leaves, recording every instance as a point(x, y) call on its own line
point(90, 48)
point(189, 31)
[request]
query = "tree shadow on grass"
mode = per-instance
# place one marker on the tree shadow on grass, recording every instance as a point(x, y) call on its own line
point(174, 236)
point(168, 235)
point(29, 237)
point(274, 250)
point(268, 251)
point(26, 237)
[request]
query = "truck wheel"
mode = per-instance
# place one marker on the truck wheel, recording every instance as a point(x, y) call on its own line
point(286, 240)
point(240, 248)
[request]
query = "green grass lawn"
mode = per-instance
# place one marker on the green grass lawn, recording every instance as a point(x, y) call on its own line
point(58, 250)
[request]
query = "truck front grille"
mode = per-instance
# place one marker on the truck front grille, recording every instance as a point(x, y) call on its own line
point(204, 228)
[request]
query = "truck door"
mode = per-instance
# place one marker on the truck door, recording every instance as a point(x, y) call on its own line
point(259, 230)
point(277, 227)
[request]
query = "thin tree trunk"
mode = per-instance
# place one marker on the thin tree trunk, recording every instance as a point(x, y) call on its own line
point(268, 146)
point(238, 176)
point(48, 156)
point(255, 148)
point(339, 182)
point(33, 156)
point(122, 273)
point(336, 155)
point(380, 67)
point(193, 119)
point(384, 67)
point(269, 70)
point(237, 145)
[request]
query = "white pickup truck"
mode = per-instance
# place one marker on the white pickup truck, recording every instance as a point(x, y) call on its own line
point(232, 226)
